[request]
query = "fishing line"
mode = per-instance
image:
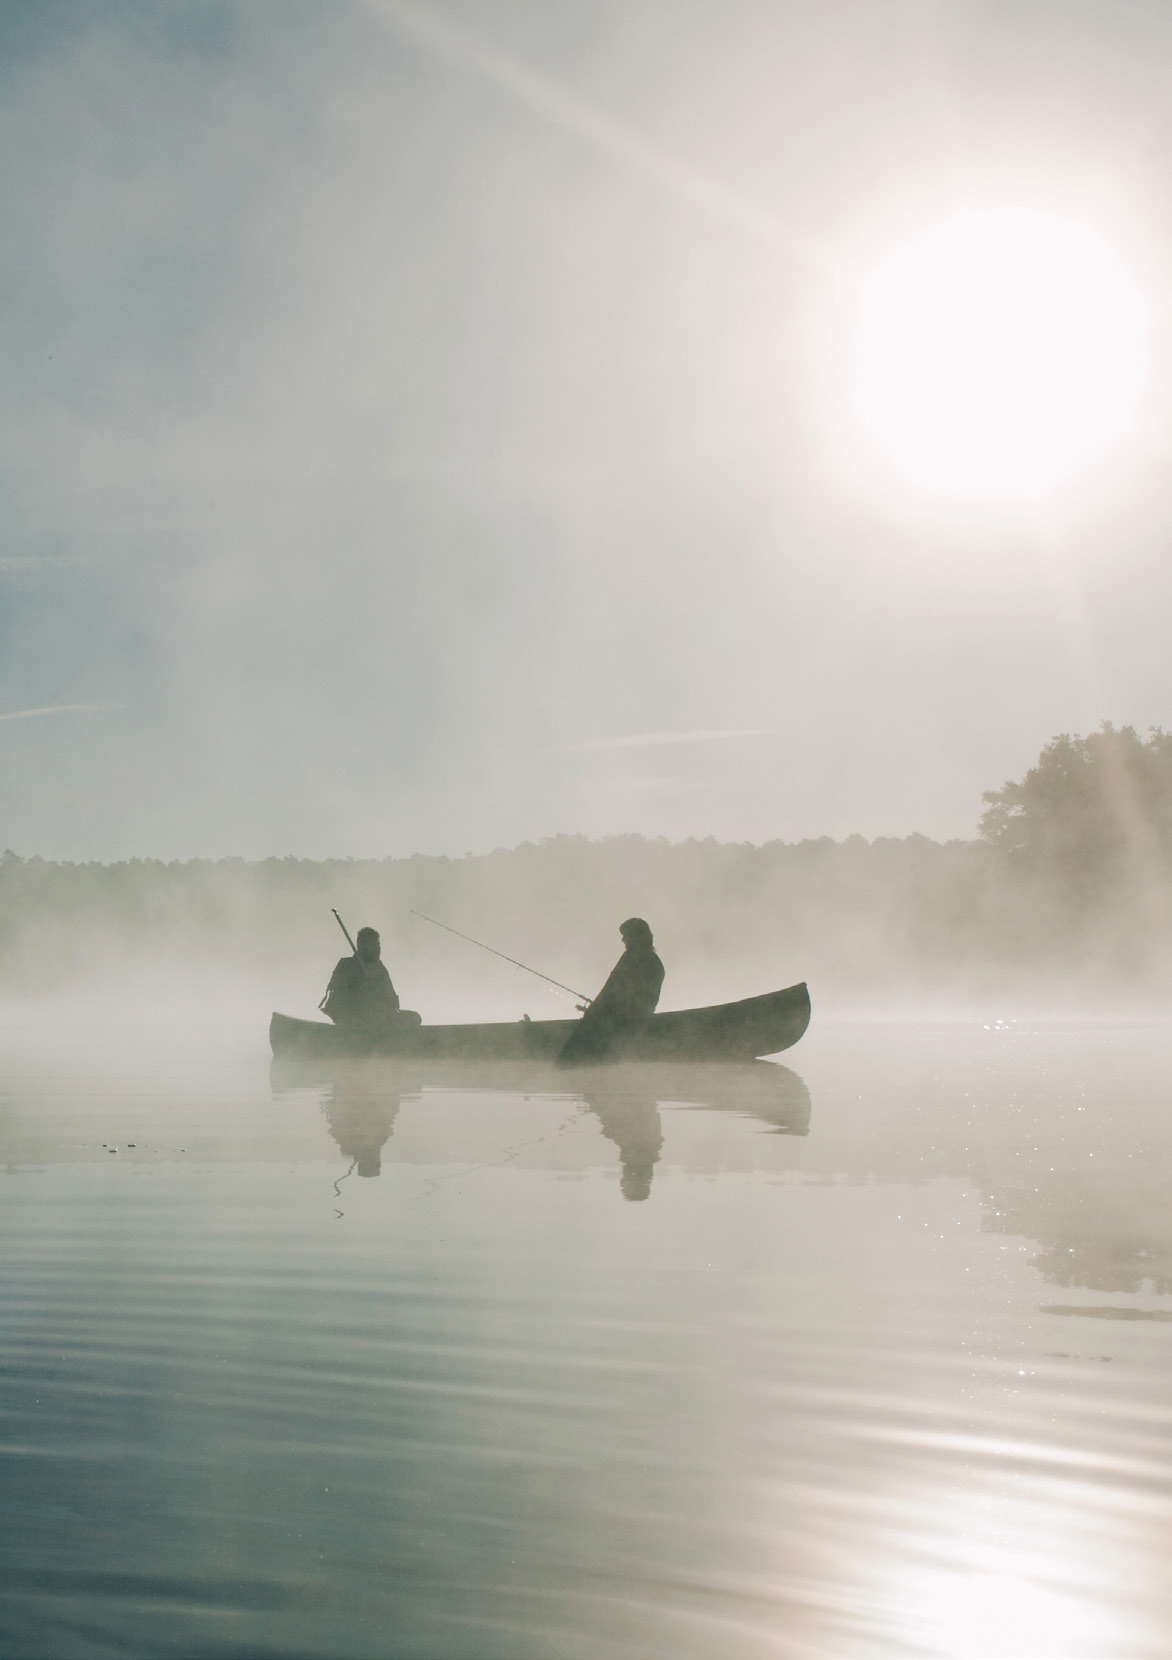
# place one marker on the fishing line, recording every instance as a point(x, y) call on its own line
point(547, 978)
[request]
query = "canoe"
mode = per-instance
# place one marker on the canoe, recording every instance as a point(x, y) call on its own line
point(742, 1031)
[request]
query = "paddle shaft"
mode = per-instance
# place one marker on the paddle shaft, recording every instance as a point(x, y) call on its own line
point(352, 946)
point(501, 954)
point(346, 931)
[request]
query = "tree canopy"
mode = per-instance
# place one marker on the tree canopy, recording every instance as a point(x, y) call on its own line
point(1098, 807)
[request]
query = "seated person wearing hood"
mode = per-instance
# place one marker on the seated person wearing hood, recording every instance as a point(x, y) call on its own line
point(360, 999)
point(631, 992)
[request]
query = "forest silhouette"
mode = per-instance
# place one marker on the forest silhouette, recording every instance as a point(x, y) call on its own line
point(1066, 886)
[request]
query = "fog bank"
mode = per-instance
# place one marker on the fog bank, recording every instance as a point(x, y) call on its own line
point(880, 924)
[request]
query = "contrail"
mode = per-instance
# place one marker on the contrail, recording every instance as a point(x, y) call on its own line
point(38, 561)
point(701, 735)
point(622, 144)
point(61, 709)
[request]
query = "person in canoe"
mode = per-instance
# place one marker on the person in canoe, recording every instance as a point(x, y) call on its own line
point(360, 999)
point(631, 993)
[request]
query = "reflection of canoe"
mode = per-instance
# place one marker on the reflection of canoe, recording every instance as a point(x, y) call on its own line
point(362, 1099)
point(378, 1084)
point(726, 1032)
point(764, 1090)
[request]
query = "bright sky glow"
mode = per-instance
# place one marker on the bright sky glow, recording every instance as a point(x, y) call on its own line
point(999, 352)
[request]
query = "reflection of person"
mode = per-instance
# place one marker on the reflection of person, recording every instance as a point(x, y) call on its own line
point(631, 992)
point(360, 999)
point(361, 1121)
point(632, 1123)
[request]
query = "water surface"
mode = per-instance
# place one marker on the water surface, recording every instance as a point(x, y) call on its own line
point(864, 1356)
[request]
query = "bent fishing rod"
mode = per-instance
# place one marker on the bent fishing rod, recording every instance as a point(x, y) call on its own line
point(501, 954)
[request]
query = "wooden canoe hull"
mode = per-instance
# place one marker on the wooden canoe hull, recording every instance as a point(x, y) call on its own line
point(742, 1031)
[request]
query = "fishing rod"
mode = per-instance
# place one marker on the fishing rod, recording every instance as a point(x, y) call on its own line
point(500, 954)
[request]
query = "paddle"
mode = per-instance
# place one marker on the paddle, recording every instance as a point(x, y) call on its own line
point(352, 946)
point(346, 931)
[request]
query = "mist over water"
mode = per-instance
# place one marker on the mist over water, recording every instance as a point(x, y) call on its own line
point(865, 1355)
point(1063, 902)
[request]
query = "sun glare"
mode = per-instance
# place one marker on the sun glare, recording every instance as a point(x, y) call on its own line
point(1000, 351)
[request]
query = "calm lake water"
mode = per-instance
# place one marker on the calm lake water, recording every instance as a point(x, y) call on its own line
point(866, 1356)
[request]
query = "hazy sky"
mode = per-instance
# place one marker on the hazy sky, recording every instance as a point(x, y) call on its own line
point(416, 422)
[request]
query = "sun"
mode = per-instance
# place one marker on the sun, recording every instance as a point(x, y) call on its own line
point(1000, 351)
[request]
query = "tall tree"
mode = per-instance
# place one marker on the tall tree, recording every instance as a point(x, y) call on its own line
point(1092, 810)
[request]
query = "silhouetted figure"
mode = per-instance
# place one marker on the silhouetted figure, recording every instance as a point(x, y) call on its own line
point(631, 993)
point(633, 985)
point(360, 999)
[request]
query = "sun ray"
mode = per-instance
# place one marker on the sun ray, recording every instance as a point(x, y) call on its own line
point(622, 144)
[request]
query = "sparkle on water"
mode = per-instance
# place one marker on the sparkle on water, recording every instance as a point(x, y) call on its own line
point(999, 352)
point(721, 1364)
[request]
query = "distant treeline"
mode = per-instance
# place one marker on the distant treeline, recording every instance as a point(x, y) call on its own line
point(1066, 887)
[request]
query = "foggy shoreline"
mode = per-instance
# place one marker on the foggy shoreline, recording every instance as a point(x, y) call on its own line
point(888, 924)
